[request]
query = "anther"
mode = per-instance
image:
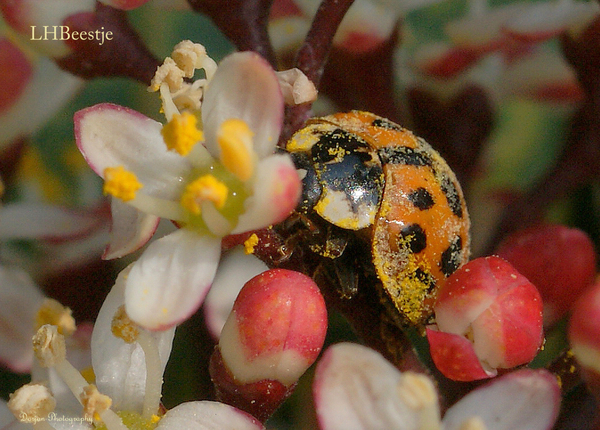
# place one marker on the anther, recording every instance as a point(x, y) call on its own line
point(122, 326)
point(52, 312)
point(206, 188)
point(120, 183)
point(49, 346)
point(31, 404)
point(235, 142)
point(181, 134)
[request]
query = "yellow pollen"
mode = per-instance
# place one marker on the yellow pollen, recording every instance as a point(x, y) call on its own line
point(53, 313)
point(154, 419)
point(181, 134)
point(205, 188)
point(250, 243)
point(235, 141)
point(120, 183)
point(122, 327)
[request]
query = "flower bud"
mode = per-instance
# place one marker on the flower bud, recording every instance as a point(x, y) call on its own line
point(488, 316)
point(584, 336)
point(560, 261)
point(274, 333)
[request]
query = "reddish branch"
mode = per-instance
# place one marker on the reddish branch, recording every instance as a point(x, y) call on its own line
point(243, 22)
point(125, 55)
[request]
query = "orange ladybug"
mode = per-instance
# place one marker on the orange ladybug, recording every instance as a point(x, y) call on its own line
point(367, 176)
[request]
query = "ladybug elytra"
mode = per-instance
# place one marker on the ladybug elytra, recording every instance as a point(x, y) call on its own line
point(369, 181)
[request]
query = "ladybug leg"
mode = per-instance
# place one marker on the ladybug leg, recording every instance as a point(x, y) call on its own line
point(295, 229)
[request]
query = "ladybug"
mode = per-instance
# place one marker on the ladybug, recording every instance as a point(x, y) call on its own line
point(373, 186)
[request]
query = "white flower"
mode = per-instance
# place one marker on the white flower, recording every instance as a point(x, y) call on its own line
point(24, 78)
point(128, 364)
point(230, 183)
point(355, 388)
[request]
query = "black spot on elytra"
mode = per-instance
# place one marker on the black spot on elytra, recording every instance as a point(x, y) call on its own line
point(404, 155)
point(425, 278)
point(452, 196)
point(414, 236)
point(384, 123)
point(421, 199)
point(451, 257)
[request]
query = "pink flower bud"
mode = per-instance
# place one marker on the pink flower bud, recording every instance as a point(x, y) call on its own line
point(274, 333)
point(487, 312)
point(560, 261)
point(15, 73)
point(584, 336)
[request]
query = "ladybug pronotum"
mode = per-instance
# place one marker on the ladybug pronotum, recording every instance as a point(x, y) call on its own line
point(367, 175)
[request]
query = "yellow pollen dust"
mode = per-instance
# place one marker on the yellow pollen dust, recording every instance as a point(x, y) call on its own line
point(205, 188)
point(53, 313)
point(181, 133)
point(120, 183)
point(250, 243)
point(122, 327)
point(235, 141)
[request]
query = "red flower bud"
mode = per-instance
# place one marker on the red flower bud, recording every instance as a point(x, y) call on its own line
point(496, 309)
point(560, 261)
point(274, 333)
point(584, 336)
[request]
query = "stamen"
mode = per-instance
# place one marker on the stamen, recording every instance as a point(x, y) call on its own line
point(124, 328)
point(167, 73)
point(52, 312)
point(31, 404)
point(189, 56)
point(152, 393)
point(168, 105)
point(418, 393)
point(94, 403)
point(49, 348)
point(181, 134)
point(120, 183)
point(168, 209)
point(96, 406)
point(205, 188)
point(235, 141)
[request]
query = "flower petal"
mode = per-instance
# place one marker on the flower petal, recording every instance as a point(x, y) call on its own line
point(131, 229)
point(20, 299)
point(30, 111)
point(120, 367)
point(244, 87)
point(207, 415)
point(42, 221)
point(109, 135)
point(296, 87)
point(276, 191)
point(356, 388)
point(170, 280)
point(541, 21)
point(524, 399)
point(235, 269)
point(455, 357)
